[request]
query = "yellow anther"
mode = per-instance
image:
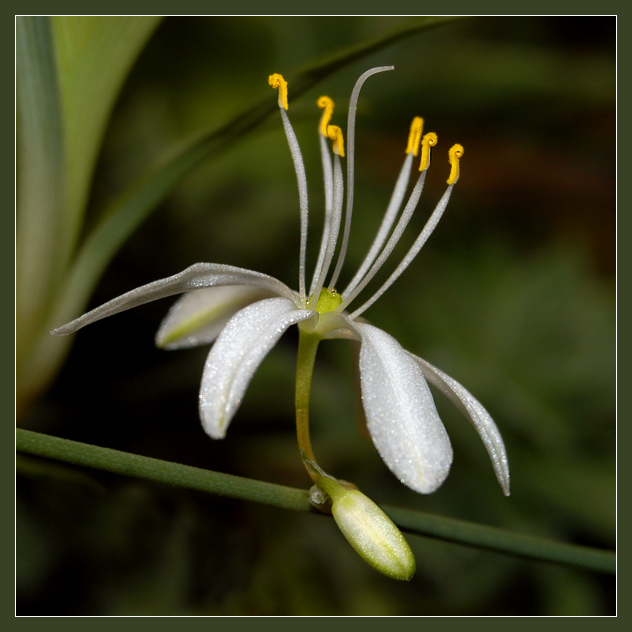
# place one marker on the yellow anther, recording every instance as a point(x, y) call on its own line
point(335, 134)
point(428, 141)
point(328, 106)
point(455, 153)
point(278, 82)
point(414, 136)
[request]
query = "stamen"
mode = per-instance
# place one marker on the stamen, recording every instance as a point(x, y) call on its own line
point(412, 253)
point(455, 153)
point(328, 177)
point(428, 141)
point(407, 213)
point(353, 104)
point(328, 105)
point(414, 137)
point(393, 205)
point(335, 134)
point(278, 82)
point(334, 230)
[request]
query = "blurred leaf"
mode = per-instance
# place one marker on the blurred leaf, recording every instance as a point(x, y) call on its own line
point(94, 55)
point(41, 194)
point(69, 72)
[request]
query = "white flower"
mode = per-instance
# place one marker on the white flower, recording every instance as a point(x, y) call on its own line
point(245, 313)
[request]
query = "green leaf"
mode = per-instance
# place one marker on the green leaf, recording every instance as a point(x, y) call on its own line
point(69, 73)
point(40, 175)
point(94, 55)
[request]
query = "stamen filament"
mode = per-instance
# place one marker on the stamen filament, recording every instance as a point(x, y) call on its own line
point(387, 222)
point(301, 179)
point(334, 230)
point(277, 81)
point(412, 253)
point(329, 186)
point(353, 104)
point(409, 209)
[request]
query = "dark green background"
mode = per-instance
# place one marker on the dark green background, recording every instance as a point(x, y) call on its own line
point(513, 296)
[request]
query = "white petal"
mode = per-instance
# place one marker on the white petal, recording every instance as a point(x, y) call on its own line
point(476, 413)
point(197, 276)
point(236, 356)
point(401, 415)
point(198, 317)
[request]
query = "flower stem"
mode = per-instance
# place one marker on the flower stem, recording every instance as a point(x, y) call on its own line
point(307, 347)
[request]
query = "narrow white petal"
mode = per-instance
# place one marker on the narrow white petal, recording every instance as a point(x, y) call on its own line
point(476, 413)
point(197, 276)
point(198, 317)
point(236, 356)
point(401, 415)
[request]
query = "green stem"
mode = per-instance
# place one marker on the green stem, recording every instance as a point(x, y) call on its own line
point(457, 531)
point(307, 348)
point(494, 539)
point(161, 471)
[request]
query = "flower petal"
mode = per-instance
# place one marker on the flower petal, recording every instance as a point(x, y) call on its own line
point(401, 415)
point(199, 275)
point(476, 413)
point(236, 356)
point(198, 317)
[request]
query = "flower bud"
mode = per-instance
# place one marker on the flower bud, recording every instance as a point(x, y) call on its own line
point(369, 530)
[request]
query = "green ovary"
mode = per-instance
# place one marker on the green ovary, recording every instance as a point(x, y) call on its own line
point(328, 301)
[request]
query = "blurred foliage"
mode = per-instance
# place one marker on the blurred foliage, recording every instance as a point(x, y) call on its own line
point(513, 296)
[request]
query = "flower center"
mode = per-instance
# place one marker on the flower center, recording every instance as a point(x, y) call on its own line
point(328, 301)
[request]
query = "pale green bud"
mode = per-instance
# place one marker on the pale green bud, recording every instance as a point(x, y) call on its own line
point(367, 528)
